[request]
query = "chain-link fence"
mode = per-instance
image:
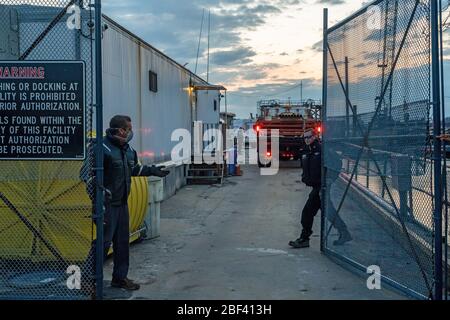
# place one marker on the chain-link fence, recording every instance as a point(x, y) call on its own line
point(378, 143)
point(46, 120)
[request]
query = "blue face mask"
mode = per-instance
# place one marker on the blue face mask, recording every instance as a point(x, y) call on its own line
point(130, 136)
point(309, 140)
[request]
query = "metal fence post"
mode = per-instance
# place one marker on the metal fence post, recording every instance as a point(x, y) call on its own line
point(444, 169)
point(444, 164)
point(368, 173)
point(383, 187)
point(99, 208)
point(437, 148)
point(347, 108)
point(323, 121)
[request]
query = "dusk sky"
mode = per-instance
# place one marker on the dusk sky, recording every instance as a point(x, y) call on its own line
point(259, 49)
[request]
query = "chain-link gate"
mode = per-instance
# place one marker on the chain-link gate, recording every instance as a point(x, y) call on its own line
point(47, 81)
point(380, 154)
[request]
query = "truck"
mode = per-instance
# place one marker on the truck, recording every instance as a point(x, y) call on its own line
point(292, 119)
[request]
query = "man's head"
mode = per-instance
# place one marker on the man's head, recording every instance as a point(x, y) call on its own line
point(310, 137)
point(123, 126)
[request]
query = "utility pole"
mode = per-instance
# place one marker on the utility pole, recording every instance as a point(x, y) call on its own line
point(199, 41)
point(209, 34)
point(301, 92)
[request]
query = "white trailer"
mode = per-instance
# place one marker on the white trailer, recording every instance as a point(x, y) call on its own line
point(138, 80)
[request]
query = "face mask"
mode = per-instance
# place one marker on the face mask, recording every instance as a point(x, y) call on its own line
point(130, 136)
point(309, 141)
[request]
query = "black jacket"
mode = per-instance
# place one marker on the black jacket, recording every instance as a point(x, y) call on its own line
point(120, 164)
point(312, 165)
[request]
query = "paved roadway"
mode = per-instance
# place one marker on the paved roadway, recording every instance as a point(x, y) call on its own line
point(231, 242)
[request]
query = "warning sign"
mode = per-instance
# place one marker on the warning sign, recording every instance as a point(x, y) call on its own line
point(42, 110)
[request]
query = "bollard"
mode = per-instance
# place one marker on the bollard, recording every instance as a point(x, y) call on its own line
point(156, 196)
point(232, 161)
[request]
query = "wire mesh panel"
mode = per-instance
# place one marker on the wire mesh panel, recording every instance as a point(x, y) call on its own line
point(46, 201)
point(377, 143)
point(444, 7)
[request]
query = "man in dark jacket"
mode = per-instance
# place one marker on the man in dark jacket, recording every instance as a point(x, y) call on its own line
point(120, 164)
point(312, 177)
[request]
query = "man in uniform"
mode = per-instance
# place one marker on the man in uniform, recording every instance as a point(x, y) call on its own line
point(312, 177)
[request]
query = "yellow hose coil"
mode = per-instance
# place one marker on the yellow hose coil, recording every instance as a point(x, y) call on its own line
point(138, 205)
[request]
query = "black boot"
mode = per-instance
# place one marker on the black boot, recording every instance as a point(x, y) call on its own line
point(299, 243)
point(303, 241)
point(126, 284)
point(344, 237)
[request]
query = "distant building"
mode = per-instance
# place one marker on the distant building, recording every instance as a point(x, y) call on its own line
point(245, 124)
point(227, 118)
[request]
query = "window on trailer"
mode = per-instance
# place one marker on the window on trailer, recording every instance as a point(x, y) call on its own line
point(153, 81)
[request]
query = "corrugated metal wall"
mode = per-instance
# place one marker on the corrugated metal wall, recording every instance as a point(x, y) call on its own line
point(127, 63)
point(168, 109)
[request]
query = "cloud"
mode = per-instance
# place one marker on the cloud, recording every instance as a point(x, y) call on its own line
point(239, 55)
point(318, 46)
point(255, 75)
point(361, 65)
point(173, 26)
point(280, 89)
point(331, 2)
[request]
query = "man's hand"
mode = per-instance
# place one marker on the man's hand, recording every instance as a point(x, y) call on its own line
point(158, 172)
point(444, 137)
